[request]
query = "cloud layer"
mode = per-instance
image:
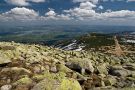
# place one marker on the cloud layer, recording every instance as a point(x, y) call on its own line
point(85, 11)
point(23, 2)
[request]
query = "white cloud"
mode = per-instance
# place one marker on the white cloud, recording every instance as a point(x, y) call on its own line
point(81, 13)
point(97, 1)
point(121, 14)
point(50, 13)
point(18, 2)
point(21, 11)
point(23, 2)
point(21, 14)
point(86, 11)
point(36, 1)
point(25, 14)
point(93, 1)
point(100, 7)
point(53, 15)
point(118, 14)
point(64, 17)
point(130, 0)
point(87, 5)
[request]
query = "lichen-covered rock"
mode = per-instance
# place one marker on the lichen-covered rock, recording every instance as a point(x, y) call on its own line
point(93, 81)
point(23, 81)
point(119, 71)
point(69, 72)
point(129, 66)
point(16, 70)
point(6, 87)
point(53, 69)
point(46, 74)
point(106, 88)
point(63, 68)
point(54, 84)
point(4, 60)
point(131, 78)
point(69, 84)
point(110, 80)
point(103, 68)
point(38, 77)
point(80, 64)
point(5, 47)
point(38, 67)
point(13, 73)
point(23, 84)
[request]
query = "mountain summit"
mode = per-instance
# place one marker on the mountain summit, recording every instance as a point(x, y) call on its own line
point(37, 67)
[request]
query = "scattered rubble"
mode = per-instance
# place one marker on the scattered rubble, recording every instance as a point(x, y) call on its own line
point(36, 67)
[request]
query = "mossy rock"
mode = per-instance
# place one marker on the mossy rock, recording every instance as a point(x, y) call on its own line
point(66, 70)
point(128, 88)
point(57, 81)
point(16, 70)
point(130, 66)
point(69, 84)
point(23, 81)
point(7, 47)
point(63, 68)
point(4, 60)
point(102, 69)
point(80, 64)
point(39, 77)
point(110, 80)
point(54, 84)
point(130, 79)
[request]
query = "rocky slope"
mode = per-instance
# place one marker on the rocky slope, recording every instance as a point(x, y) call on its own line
point(36, 67)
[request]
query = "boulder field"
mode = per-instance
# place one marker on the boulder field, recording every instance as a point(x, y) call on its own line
point(37, 67)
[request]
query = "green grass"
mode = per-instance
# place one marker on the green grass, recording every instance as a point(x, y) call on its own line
point(96, 40)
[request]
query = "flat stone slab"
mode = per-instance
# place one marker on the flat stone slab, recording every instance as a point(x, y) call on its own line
point(4, 60)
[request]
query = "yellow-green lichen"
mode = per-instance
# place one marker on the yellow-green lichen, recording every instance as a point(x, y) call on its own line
point(63, 68)
point(69, 84)
point(23, 81)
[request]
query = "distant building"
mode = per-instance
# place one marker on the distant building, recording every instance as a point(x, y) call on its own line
point(129, 38)
point(130, 41)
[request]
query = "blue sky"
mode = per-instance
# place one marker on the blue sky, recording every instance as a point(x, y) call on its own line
point(92, 12)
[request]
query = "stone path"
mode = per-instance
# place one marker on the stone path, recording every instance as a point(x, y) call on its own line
point(118, 51)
